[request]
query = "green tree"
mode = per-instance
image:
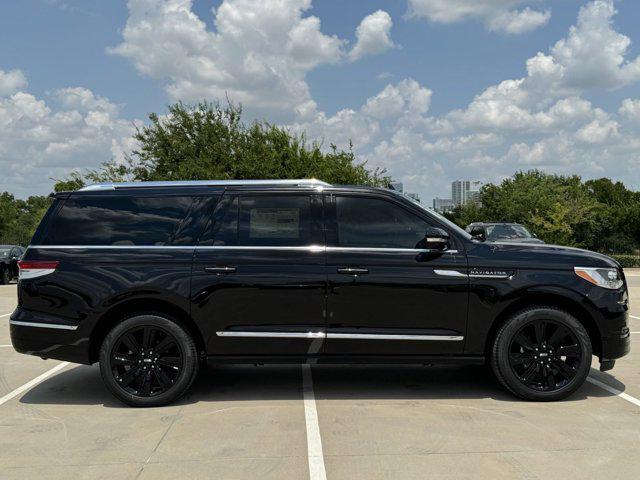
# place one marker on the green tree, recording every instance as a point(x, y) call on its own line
point(19, 218)
point(208, 141)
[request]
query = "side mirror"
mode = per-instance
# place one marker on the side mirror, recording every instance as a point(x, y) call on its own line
point(478, 234)
point(436, 239)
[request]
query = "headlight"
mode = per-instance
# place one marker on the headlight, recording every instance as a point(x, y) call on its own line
point(603, 277)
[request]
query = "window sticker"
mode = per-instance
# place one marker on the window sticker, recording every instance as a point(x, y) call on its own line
point(274, 223)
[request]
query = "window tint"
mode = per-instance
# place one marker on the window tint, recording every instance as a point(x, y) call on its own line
point(273, 220)
point(118, 220)
point(376, 223)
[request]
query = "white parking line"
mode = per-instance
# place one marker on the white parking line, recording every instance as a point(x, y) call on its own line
point(4, 346)
point(314, 442)
point(32, 383)
point(615, 391)
point(5, 315)
point(633, 316)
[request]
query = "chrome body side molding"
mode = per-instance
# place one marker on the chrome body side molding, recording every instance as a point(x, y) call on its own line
point(346, 336)
point(44, 325)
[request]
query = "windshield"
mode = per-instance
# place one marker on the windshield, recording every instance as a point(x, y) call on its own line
point(507, 231)
point(440, 217)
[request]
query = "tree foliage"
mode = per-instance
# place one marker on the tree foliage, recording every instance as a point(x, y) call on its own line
point(596, 214)
point(19, 218)
point(209, 141)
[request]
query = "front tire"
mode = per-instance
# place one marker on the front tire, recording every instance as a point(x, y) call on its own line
point(148, 360)
point(542, 354)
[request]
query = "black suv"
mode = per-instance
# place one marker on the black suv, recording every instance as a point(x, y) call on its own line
point(9, 256)
point(152, 279)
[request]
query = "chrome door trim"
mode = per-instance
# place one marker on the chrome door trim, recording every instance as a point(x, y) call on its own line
point(385, 336)
point(43, 325)
point(227, 333)
point(346, 336)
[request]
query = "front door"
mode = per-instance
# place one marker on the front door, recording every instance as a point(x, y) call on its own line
point(387, 294)
point(258, 283)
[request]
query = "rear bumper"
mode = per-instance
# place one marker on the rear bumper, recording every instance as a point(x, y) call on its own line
point(45, 336)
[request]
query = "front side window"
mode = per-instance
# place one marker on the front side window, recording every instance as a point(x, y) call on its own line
point(118, 220)
point(376, 223)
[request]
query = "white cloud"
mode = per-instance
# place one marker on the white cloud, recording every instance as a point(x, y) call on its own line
point(538, 121)
point(373, 35)
point(497, 15)
point(11, 82)
point(259, 53)
point(518, 21)
point(40, 140)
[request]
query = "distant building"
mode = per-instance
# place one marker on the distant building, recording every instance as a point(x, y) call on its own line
point(443, 205)
point(465, 191)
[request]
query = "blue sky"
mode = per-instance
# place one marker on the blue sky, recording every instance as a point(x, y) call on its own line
point(78, 74)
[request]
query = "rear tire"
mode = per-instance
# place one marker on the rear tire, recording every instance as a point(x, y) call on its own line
point(148, 360)
point(541, 354)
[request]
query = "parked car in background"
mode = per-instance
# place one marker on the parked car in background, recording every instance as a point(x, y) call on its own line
point(502, 232)
point(152, 278)
point(9, 256)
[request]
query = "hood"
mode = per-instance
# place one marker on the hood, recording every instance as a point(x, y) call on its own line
point(543, 255)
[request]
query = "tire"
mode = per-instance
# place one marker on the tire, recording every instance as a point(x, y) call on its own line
point(5, 276)
point(544, 374)
point(159, 372)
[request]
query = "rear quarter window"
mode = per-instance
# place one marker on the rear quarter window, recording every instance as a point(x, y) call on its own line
point(118, 220)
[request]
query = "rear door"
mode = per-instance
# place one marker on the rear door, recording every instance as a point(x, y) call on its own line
point(258, 284)
point(387, 294)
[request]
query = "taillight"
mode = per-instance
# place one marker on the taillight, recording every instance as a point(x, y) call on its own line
point(35, 268)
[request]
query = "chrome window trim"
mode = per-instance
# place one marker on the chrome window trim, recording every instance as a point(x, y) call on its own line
point(43, 325)
point(310, 248)
point(385, 249)
point(344, 336)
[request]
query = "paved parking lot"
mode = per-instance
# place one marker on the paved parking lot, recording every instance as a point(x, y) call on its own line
point(334, 422)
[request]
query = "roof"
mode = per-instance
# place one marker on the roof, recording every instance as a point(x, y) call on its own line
point(311, 182)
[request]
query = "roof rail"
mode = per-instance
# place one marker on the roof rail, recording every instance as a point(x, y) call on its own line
point(311, 182)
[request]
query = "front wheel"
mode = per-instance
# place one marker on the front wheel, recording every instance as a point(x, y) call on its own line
point(542, 353)
point(148, 361)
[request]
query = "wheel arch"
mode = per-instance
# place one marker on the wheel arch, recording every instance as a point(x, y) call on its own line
point(132, 307)
point(551, 299)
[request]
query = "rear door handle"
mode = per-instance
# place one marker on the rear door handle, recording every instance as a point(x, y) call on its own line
point(220, 270)
point(353, 270)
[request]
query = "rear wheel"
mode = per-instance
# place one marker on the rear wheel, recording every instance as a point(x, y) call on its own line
point(542, 353)
point(148, 361)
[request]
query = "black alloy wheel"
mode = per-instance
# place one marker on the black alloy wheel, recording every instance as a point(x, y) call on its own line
point(148, 360)
point(541, 353)
point(545, 355)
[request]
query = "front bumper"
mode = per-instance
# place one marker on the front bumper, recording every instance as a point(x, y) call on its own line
point(44, 336)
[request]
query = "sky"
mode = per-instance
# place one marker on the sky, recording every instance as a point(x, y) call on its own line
point(430, 90)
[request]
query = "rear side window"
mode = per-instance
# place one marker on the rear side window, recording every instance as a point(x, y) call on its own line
point(118, 220)
point(375, 223)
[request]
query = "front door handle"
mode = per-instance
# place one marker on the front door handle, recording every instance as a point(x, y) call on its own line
point(353, 270)
point(220, 270)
